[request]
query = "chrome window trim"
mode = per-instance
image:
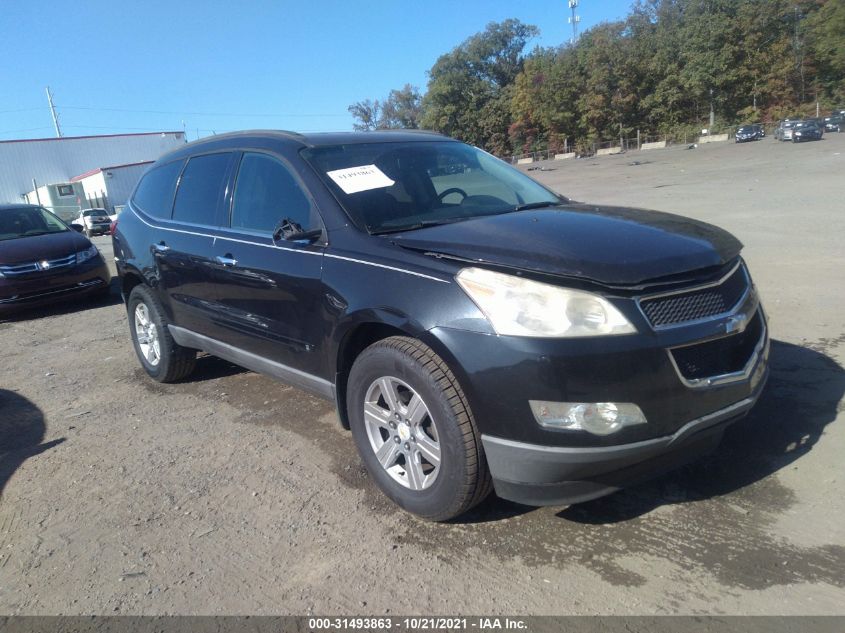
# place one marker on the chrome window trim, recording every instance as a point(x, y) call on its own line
point(291, 250)
point(732, 310)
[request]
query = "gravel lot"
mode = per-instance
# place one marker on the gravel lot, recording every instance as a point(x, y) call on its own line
point(234, 494)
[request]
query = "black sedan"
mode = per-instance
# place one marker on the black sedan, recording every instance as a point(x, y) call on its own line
point(834, 123)
point(806, 131)
point(42, 260)
point(749, 133)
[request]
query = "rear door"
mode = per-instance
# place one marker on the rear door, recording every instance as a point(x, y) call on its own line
point(270, 291)
point(185, 252)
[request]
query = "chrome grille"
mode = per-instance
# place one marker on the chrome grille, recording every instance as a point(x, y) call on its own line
point(44, 265)
point(698, 303)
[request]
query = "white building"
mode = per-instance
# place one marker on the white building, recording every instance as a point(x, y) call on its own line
point(60, 161)
point(110, 187)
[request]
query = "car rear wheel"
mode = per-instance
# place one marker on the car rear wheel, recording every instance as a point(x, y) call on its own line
point(161, 357)
point(414, 429)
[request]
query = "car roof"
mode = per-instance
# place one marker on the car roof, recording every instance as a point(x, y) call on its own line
point(12, 207)
point(296, 140)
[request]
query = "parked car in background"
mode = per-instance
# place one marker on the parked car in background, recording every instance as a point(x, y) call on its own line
point(43, 260)
point(473, 327)
point(834, 123)
point(93, 221)
point(783, 131)
point(752, 132)
point(806, 131)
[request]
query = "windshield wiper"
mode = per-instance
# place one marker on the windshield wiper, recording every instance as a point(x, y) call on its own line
point(417, 225)
point(535, 205)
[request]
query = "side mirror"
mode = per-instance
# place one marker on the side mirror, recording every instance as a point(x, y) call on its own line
point(78, 228)
point(291, 231)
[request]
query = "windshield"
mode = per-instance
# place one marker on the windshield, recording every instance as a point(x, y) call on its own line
point(94, 213)
point(27, 222)
point(388, 187)
point(748, 128)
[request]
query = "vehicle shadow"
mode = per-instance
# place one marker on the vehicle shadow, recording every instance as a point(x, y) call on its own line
point(22, 430)
point(211, 367)
point(69, 305)
point(801, 398)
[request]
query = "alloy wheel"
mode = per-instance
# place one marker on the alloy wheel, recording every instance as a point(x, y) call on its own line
point(402, 433)
point(147, 335)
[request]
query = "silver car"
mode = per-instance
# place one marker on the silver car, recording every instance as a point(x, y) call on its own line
point(783, 132)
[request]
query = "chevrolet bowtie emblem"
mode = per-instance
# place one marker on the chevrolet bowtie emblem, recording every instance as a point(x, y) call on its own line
point(735, 324)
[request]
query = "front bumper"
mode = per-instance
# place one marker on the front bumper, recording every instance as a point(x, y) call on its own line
point(39, 289)
point(552, 475)
point(99, 229)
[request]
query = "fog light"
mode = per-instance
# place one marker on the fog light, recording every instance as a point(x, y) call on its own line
point(598, 418)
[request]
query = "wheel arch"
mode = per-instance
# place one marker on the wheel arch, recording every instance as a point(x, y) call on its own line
point(129, 280)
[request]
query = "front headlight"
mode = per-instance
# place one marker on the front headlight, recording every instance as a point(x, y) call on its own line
point(521, 307)
point(88, 253)
point(598, 418)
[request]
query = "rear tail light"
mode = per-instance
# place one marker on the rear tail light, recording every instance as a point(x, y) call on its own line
point(113, 227)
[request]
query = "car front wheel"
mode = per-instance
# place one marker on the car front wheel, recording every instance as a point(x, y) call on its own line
point(161, 357)
point(414, 429)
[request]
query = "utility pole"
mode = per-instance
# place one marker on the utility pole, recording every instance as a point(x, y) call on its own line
point(574, 20)
point(712, 114)
point(53, 112)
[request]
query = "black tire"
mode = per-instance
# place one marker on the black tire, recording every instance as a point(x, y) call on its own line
point(463, 479)
point(174, 361)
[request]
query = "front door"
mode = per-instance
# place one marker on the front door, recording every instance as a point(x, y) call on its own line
point(269, 290)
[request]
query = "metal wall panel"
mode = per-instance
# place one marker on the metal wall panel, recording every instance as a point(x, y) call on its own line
point(58, 160)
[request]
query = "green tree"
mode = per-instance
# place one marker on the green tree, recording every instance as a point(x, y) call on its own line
point(827, 40)
point(402, 109)
point(468, 93)
point(367, 115)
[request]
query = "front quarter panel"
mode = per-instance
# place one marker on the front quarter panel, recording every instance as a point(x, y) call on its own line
point(402, 294)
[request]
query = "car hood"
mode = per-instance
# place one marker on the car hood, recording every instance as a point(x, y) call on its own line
point(38, 247)
point(608, 245)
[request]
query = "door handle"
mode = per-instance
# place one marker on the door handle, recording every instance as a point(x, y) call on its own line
point(161, 247)
point(226, 260)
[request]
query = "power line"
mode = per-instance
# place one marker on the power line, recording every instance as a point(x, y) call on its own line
point(27, 129)
point(189, 113)
point(23, 110)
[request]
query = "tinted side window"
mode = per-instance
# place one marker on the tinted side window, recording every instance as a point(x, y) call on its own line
point(154, 194)
point(266, 193)
point(201, 189)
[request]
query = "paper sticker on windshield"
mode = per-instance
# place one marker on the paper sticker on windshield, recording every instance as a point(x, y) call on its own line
point(363, 178)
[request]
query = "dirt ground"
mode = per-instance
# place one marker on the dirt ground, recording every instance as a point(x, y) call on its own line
point(231, 493)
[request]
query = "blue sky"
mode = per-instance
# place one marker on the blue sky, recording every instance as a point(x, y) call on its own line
point(116, 66)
